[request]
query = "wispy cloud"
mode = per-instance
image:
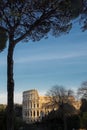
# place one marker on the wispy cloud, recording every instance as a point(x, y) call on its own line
point(48, 57)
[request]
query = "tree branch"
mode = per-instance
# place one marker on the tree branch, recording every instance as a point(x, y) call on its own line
point(4, 29)
point(37, 23)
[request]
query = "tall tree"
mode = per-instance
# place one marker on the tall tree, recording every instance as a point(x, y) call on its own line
point(31, 20)
point(59, 97)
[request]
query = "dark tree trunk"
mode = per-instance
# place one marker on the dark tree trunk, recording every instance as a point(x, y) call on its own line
point(10, 86)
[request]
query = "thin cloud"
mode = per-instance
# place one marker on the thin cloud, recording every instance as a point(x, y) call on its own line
point(49, 57)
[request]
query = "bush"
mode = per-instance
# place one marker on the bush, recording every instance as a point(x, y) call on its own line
point(83, 120)
point(2, 120)
point(73, 122)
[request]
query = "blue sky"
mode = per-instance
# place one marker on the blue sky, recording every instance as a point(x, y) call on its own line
point(41, 65)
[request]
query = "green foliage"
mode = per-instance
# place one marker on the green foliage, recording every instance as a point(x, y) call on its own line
point(19, 123)
point(2, 107)
point(3, 39)
point(83, 120)
point(76, 8)
point(3, 120)
point(73, 122)
point(83, 107)
point(34, 19)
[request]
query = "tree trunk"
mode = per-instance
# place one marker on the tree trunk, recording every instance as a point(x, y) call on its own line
point(10, 86)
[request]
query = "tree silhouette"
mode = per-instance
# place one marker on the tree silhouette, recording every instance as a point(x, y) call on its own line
point(23, 20)
point(58, 95)
point(59, 98)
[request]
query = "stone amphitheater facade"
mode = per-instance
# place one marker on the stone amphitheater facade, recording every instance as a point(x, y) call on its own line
point(34, 106)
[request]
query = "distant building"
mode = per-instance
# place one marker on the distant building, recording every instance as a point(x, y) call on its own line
point(35, 108)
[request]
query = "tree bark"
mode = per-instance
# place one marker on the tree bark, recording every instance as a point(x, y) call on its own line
point(10, 86)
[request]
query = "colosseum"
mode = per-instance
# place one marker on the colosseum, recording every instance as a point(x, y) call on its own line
point(34, 106)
